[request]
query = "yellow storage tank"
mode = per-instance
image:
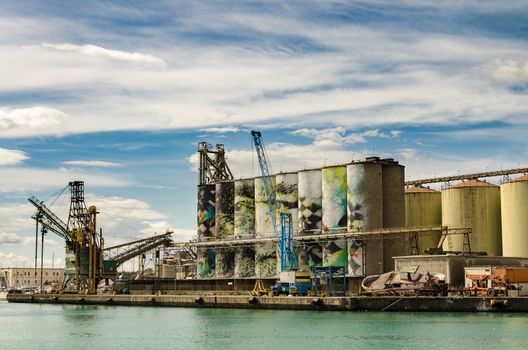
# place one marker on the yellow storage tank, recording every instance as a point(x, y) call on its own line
point(423, 208)
point(514, 213)
point(474, 204)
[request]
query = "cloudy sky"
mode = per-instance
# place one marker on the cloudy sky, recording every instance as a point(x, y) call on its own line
point(119, 93)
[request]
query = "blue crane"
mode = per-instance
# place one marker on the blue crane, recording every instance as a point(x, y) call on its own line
point(284, 237)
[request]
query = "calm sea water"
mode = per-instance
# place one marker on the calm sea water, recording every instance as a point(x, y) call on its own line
point(27, 326)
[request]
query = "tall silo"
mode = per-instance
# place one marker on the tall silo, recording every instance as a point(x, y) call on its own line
point(393, 179)
point(263, 223)
point(225, 210)
point(225, 262)
point(205, 262)
point(364, 196)
point(423, 208)
point(356, 258)
point(473, 204)
point(335, 253)
point(309, 255)
point(266, 260)
point(287, 197)
point(244, 208)
point(310, 202)
point(514, 213)
point(244, 262)
point(334, 197)
point(206, 211)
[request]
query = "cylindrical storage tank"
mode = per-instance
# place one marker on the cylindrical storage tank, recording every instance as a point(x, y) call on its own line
point(265, 260)
point(244, 208)
point(263, 223)
point(335, 253)
point(287, 197)
point(364, 196)
point(206, 211)
point(205, 263)
point(514, 212)
point(423, 208)
point(393, 179)
point(309, 255)
point(225, 262)
point(244, 262)
point(334, 197)
point(356, 262)
point(310, 202)
point(473, 204)
point(225, 210)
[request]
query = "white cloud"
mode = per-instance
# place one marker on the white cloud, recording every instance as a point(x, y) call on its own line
point(92, 163)
point(13, 260)
point(221, 130)
point(507, 71)
point(117, 55)
point(7, 237)
point(408, 153)
point(39, 120)
point(12, 156)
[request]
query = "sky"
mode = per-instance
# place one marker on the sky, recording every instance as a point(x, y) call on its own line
point(118, 94)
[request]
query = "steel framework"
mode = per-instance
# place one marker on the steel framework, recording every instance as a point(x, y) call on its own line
point(466, 176)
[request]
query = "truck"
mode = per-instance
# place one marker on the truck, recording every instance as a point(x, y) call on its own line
point(292, 282)
point(511, 281)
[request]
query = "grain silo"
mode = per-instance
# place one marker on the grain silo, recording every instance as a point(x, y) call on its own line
point(334, 197)
point(266, 260)
point(225, 262)
point(244, 210)
point(393, 179)
point(310, 201)
point(423, 208)
point(206, 211)
point(263, 222)
point(205, 262)
point(514, 213)
point(287, 197)
point(473, 204)
point(244, 262)
point(364, 197)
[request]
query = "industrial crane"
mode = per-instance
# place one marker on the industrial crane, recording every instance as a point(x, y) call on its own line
point(290, 281)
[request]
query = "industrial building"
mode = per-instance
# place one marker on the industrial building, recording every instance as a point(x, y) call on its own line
point(30, 278)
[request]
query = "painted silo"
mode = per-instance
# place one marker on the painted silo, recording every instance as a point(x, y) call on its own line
point(310, 202)
point(225, 262)
point(225, 210)
point(205, 263)
point(334, 197)
point(393, 180)
point(476, 205)
point(514, 212)
point(265, 260)
point(263, 223)
point(309, 255)
point(287, 197)
point(423, 208)
point(244, 262)
point(356, 261)
point(244, 208)
point(364, 196)
point(206, 211)
point(335, 253)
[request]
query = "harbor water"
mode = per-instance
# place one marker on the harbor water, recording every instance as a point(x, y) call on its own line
point(44, 326)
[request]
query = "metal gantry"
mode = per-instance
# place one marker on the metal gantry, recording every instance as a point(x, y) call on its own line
point(213, 166)
point(472, 176)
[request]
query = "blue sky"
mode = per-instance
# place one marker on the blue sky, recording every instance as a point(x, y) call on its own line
point(118, 94)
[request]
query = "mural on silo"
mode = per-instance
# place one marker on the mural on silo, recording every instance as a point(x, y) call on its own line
point(244, 208)
point(355, 258)
point(334, 190)
point(263, 222)
point(265, 260)
point(335, 253)
point(244, 262)
point(308, 256)
point(287, 197)
point(364, 196)
point(206, 211)
point(205, 264)
point(225, 262)
point(225, 210)
point(310, 202)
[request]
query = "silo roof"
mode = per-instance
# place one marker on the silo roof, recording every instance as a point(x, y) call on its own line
point(519, 179)
point(419, 189)
point(473, 183)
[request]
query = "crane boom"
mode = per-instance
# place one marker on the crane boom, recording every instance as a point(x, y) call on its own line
point(49, 220)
